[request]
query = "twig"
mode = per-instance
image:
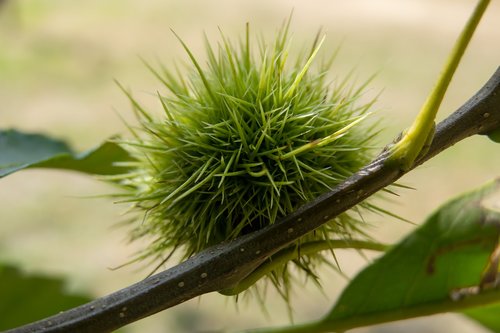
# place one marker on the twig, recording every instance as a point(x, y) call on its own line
point(223, 266)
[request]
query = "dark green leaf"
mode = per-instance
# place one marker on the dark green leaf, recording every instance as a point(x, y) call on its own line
point(19, 151)
point(495, 135)
point(448, 253)
point(25, 298)
point(447, 264)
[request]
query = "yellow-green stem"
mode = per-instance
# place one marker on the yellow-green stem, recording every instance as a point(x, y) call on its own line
point(284, 256)
point(411, 145)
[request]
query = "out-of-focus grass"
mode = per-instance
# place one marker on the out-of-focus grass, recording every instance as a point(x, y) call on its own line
point(58, 59)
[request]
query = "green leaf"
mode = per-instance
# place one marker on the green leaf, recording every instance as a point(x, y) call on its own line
point(19, 151)
point(494, 136)
point(447, 264)
point(488, 316)
point(449, 252)
point(26, 298)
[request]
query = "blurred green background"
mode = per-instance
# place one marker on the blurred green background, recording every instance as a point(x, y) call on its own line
point(58, 60)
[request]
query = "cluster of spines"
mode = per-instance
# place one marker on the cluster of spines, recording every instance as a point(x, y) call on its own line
point(245, 140)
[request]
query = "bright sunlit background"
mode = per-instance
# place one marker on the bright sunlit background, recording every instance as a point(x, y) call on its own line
point(58, 60)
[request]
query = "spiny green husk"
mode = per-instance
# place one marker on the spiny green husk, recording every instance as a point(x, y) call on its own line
point(246, 139)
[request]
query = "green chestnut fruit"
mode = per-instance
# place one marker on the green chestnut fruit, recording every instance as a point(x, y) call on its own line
point(245, 139)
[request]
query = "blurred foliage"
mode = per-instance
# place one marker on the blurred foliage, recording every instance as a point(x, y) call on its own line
point(28, 297)
point(487, 316)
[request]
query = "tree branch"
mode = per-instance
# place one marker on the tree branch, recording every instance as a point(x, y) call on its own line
point(223, 266)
